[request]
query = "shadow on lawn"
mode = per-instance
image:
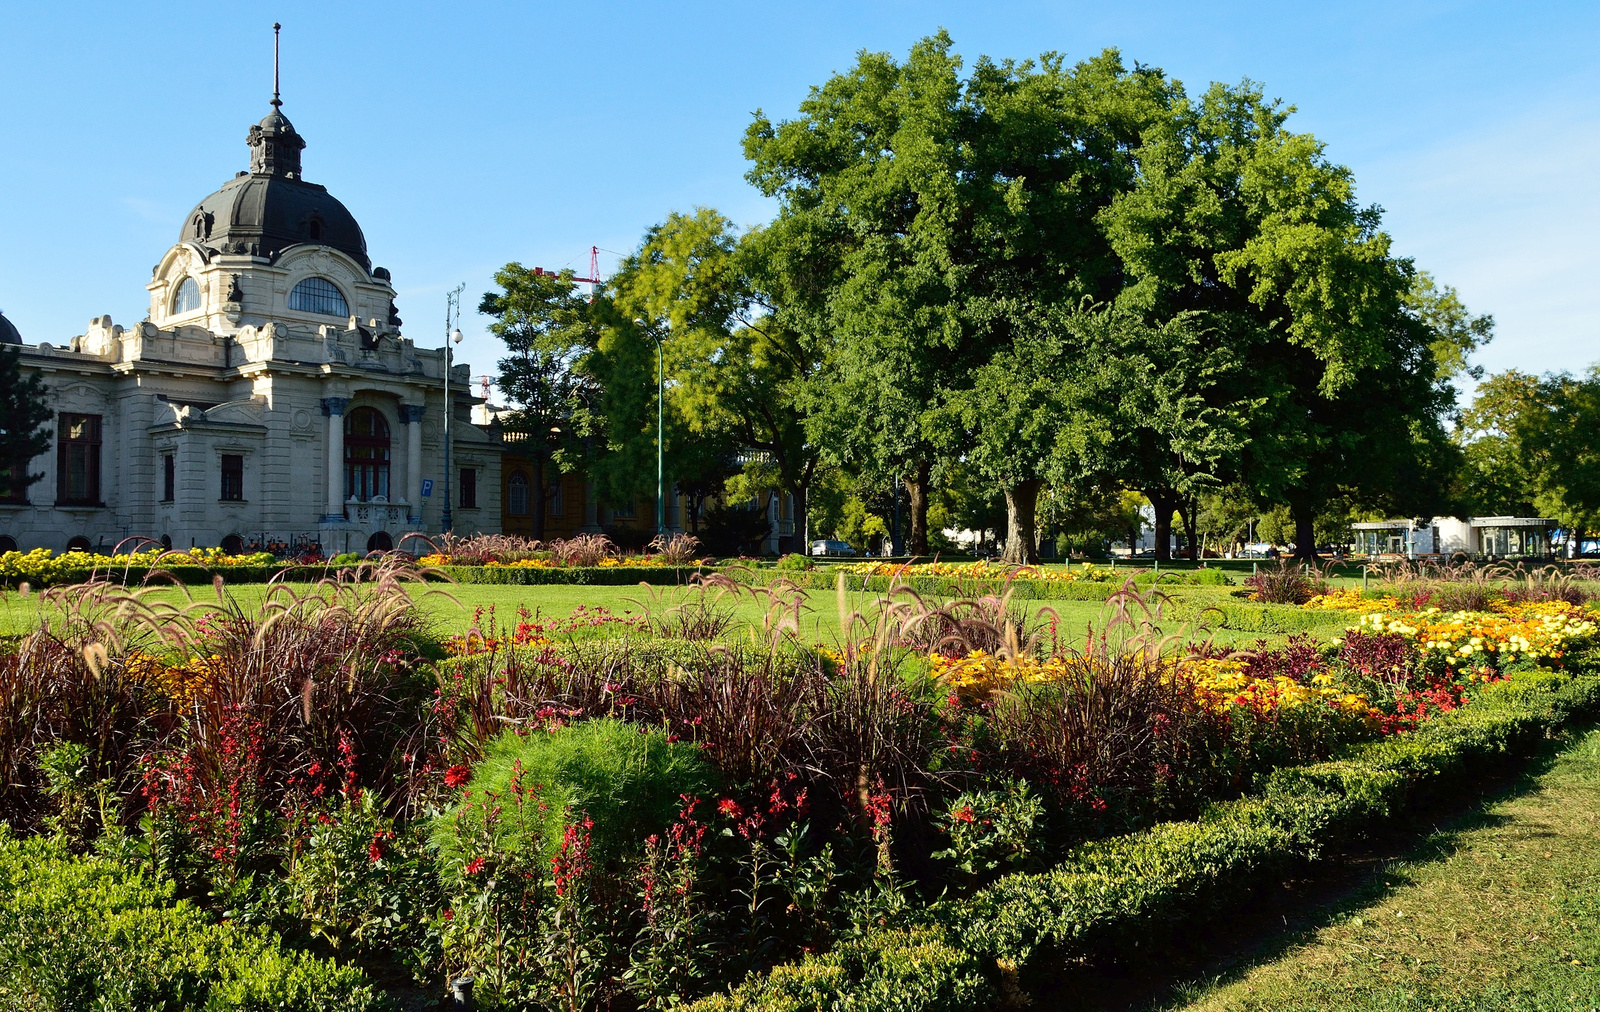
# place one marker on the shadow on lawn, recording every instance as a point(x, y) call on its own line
point(1199, 955)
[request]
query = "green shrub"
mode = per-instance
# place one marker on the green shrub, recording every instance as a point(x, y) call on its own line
point(595, 576)
point(626, 778)
point(906, 970)
point(89, 932)
point(794, 562)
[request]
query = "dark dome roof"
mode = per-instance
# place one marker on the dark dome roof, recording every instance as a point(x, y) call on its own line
point(8, 332)
point(270, 208)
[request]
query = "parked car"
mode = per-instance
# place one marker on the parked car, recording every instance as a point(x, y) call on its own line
point(832, 548)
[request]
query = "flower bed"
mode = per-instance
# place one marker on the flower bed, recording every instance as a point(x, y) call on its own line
point(971, 954)
point(42, 567)
point(645, 808)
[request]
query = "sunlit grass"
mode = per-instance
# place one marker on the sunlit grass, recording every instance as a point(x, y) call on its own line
point(1500, 912)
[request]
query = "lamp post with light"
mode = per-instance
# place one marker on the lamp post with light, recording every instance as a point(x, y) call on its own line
point(661, 386)
point(455, 338)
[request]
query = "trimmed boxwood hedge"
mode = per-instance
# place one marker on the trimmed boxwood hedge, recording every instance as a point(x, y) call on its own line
point(1133, 889)
point(596, 576)
point(202, 575)
point(91, 932)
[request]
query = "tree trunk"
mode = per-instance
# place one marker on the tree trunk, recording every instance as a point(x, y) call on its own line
point(917, 490)
point(1165, 504)
point(1305, 532)
point(1022, 503)
point(1187, 510)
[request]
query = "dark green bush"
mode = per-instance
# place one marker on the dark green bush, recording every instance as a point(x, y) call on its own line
point(608, 576)
point(89, 932)
point(626, 778)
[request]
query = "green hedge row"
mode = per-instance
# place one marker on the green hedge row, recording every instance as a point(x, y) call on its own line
point(595, 576)
point(932, 586)
point(192, 576)
point(1131, 890)
point(91, 933)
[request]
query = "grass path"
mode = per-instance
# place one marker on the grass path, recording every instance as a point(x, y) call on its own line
point(1499, 911)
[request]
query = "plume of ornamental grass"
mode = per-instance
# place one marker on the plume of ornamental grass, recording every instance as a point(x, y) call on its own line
point(677, 549)
point(583, 550)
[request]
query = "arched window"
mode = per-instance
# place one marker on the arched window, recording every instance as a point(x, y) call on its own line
point(233, 544)
point(187, 299)
point(366, 455)
point(79, 543)
point(517, 495)
point(318, 295)
point(380, 542)
point(7, 543)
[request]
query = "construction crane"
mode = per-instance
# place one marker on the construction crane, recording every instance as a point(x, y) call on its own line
point(594, 270)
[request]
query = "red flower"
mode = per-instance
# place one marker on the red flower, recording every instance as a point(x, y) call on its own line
point(374, 852)
point(962, 814)
point(457, 776)
point(475, 866)
point(730, 808)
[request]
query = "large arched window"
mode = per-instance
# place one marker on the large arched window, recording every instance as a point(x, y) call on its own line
point(318, 295)
point(366, 455)
point(517, 494)
point(187, 299)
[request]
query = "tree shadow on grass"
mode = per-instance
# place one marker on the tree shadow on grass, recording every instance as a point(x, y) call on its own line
point(1189, 959)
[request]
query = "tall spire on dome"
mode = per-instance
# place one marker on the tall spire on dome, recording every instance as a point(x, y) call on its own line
point(276, 101)
point(274, 145)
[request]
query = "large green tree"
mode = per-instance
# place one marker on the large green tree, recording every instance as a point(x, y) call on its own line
point(941, 218)
point(24, 409)
point(737, 372)
point(1250, 224)
point(1530, 447)
point(545, 326)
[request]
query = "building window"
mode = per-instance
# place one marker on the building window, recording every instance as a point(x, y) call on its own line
point(78, 460)
point(318, 295)
point(169, 477)
point(469, 488)
point(187, 299)
point(232, 477)
point(7, 543)
point(557, 507)
point(232, 544)
point(79, 543)
point(366, 455)
point(517, 495)
point(14, 480)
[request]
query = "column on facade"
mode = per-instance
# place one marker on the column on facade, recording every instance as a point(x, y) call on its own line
point(333, 408)
point(411, 417)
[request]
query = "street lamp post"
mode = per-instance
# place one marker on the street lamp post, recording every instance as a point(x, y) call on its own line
point(661, 386)
point(448, 521)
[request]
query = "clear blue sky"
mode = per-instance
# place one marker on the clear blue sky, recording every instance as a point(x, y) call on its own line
point(466, 135)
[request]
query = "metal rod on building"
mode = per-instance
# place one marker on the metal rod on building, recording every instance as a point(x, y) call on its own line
point(452, 315)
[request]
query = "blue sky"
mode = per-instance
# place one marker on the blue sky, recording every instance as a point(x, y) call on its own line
point(467, 135)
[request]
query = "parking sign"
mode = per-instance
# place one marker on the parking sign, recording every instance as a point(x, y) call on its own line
point(427, 487)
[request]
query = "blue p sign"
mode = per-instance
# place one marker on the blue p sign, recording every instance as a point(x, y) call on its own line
point(427, 487)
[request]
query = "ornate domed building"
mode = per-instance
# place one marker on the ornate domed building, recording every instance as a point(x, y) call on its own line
point(269, 398)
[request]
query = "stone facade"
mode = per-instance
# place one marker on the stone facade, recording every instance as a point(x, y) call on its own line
point(269, 399)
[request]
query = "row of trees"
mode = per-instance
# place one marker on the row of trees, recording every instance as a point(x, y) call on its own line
point(1037, 283)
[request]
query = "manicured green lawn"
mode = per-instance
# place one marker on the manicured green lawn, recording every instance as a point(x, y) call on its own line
point(1500, 911)
point(451, 608)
